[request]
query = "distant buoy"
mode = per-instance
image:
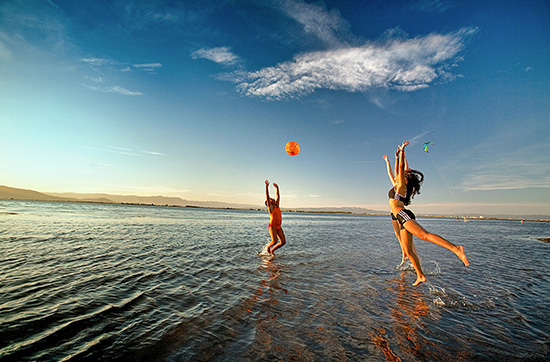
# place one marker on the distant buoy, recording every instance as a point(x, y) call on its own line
point(292, 148)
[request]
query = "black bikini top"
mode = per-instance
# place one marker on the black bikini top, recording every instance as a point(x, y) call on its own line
point(392, 194)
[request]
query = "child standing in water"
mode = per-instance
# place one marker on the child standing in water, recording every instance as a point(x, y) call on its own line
point(275, 220)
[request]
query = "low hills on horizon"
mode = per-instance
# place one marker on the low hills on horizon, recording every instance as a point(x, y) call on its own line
point(11, 193)
point(22, 194)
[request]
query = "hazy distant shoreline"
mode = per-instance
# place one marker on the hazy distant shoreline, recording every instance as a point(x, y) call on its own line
point(11, 193)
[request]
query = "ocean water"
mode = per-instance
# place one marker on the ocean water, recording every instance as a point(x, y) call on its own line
point(93, 282)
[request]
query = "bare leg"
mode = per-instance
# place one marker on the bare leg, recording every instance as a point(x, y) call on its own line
point(282, 240)
point(410, 250)
point(417, 230)
point(273, 234)
point(396, 229)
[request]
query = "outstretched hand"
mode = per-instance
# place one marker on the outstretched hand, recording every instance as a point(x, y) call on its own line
point(385, 158)
point(275, 185)
point(401, 147)
point(266, 182)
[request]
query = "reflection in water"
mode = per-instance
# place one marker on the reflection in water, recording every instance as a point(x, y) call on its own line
point(411, 309)
point(407, 312)
point(266, 296)
point(264, 312)
point(412, 315)
point(381, 342)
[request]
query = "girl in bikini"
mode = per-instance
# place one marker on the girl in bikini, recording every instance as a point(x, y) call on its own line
point(275, 220)
point(395, 223)
point(407, 185)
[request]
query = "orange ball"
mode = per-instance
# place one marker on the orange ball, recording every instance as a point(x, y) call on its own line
point(292, 148)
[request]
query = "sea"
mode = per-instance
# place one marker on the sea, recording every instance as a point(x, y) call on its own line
point(102, 282)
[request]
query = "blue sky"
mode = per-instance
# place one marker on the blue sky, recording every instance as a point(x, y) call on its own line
point(197, 99)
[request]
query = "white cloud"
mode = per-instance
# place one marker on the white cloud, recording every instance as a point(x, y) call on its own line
point(150, 67)
point(125, 151)
point(94, 61)
point(221, 55)
point(121, 90)
point(401, 64)
point(432, 6)
point(114, 89)
point(152, 153)
point(318, 21)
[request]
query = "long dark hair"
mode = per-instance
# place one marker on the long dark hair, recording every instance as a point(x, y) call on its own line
point(414, 181)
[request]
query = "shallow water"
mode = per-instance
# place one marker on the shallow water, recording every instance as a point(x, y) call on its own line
point(142, 283)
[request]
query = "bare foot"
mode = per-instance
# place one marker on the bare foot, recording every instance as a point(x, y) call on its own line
point(419, 280)
point(404, 259)
point(462, 255)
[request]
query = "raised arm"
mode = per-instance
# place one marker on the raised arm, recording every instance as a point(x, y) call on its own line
point(267, 193)
point(278, 195)
point(396, 165)
point(401, 168)
point(405, 143)
point(388, 168)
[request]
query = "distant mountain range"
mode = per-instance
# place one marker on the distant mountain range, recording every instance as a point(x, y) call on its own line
point(21, 194)
point(8, 193)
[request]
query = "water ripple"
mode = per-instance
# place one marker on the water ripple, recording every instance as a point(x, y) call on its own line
point(85, 282)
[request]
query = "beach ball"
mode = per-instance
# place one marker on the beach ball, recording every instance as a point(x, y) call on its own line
point(292, 148)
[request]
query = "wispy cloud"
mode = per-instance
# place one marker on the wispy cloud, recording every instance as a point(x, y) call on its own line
point(154, 153)
point(432, 6)
point(327, 25)
point(105, 67)
point(402, 64)
point(125, 151)
point(5, 53)
point(94, 61)
point(507, 172)
point(221, 55)
point(508, 160)
point(113, 89)
point(149, 67)
point(34, 26)
point(413, 140)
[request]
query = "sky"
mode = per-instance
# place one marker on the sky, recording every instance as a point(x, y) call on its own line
point(197, 99)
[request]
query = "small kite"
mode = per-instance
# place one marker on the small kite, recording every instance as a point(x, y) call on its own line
point(426, 146)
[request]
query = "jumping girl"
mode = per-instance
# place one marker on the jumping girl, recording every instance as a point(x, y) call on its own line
point(394, 221)
point(407, 185)
point(275, 220)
